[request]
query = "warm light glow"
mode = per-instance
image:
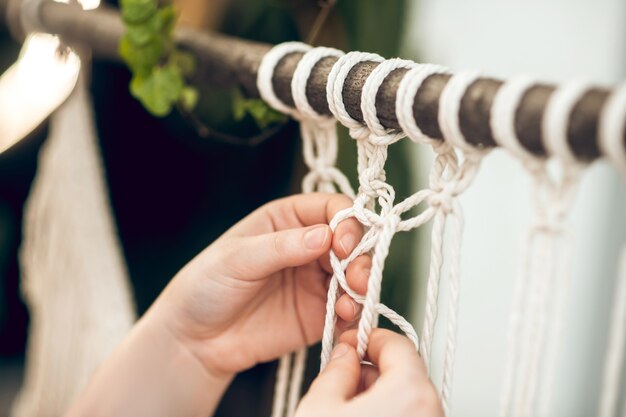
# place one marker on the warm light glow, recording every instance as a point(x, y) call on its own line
point(33, 87)
point(38, 83)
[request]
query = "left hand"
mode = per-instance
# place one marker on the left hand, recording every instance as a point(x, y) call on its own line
point(259, 291)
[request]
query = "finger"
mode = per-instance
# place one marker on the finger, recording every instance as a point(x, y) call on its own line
point(324, 262)
point(340, 379)
point(402, 375)
point(369, 376)
point(392, 353)
point(262, 255)
point(358, 272)
point(347, 236)
point(307, 209)
point(347, 309)
point(313, 208)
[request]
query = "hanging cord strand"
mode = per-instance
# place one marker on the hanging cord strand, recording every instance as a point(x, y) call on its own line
point(612, 127)
point(502, 123)
point(449, 119)
point(558, 203)
point(334, 89)
point(547, 275)
point(266, 89)
point(373, 180)
point(407, 91)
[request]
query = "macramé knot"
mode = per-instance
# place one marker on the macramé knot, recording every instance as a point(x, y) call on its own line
point(442, 200)
point(391, 220)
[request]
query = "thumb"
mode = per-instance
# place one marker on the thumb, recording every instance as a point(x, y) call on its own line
point(262, 255)
point(341, 377)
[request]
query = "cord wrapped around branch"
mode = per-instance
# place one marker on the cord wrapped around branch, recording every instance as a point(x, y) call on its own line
point(225, 61)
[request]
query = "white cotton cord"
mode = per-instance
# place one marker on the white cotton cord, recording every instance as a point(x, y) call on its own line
point(369, 315)
point(297, 376)
point(450, 107)
point(547, 273)
point(453, 307)
point(556, 120)
point(281, 386)
point(380, 138)
point(301, 77)
point(502, 122)
point(368, 97)
point(612, 127)
point(502, 119)
point(405, 99)
point(538, 286)
point(563, 255)
point(449, 180)
point(319, 132)
point(516, 326)
point(432, 287)
point(265, 74)
point(334, 95)
point(615, 356)
point(336, 80)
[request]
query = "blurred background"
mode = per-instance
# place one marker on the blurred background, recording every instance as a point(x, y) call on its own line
point(173, 192)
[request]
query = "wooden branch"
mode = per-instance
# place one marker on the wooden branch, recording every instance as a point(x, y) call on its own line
point(225, 62)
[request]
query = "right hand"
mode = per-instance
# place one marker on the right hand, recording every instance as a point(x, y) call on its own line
point(396, 386)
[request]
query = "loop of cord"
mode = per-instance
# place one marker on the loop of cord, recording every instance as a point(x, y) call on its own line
point(405, 97)
point(265, 75)
point(556, 120)
point(612, 127)
point(502, 119)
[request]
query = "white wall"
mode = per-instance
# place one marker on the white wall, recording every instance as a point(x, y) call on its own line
point(553, 40)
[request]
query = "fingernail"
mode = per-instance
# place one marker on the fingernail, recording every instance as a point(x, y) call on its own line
point(316, 237)
point(340, 350)
point(348, 243)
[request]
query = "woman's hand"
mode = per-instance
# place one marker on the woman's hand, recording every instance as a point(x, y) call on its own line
point(396, 386)
point(259, 291)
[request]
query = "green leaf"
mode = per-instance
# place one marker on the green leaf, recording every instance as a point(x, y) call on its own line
point(141, 58)
point(166, 19)
point(140, 35)
point(160, 91)
point(138, 11)
point(189, 98)
point(159, 25)
point(262, 114)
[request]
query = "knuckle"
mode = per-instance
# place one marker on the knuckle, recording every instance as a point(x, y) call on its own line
point(278, 244)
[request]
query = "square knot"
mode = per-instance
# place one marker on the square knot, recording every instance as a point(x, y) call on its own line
point(391, 221)
point(359, 132)
point(385, 140)
point(442, 200)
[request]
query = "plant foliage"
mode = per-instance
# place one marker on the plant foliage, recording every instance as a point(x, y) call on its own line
point(158, 66)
